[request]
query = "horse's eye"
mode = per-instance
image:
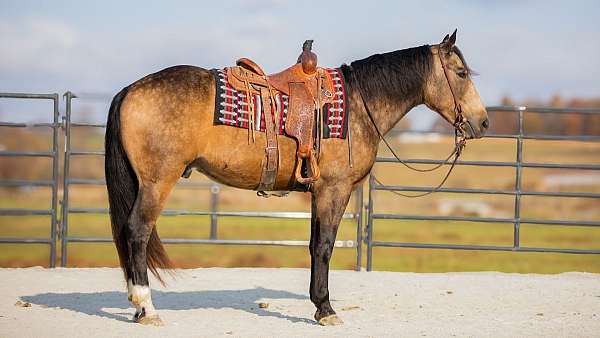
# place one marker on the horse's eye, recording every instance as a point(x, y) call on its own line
point(462, 73)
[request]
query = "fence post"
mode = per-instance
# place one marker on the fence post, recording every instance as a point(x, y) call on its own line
point(214, 201)
point(55, 159)
point(358, 213)
point(517, 225)
point(65, 202)
point(370, 224)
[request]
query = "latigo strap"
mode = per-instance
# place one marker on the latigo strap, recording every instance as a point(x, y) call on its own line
point(271, 160)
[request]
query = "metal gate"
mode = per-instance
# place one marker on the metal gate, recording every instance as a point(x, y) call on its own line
point(53, 183)
point(517, 192)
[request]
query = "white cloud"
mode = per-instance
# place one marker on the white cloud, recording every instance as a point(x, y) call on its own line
point(38, 44)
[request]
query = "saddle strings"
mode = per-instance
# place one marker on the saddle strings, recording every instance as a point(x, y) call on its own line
point(276, 114)
point(250, 100)
point(459, 138)
point(251, 122)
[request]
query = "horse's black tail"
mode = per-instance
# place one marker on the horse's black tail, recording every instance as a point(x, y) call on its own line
point(122, 185)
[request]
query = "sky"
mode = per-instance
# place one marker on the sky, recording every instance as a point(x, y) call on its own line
point(523, 49)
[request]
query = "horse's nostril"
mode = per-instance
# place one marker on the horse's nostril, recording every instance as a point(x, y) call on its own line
point(485, 124)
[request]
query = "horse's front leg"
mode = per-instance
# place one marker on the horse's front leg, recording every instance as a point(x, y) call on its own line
point(328, 206)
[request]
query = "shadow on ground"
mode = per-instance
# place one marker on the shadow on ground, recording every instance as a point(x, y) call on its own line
point(94, 303)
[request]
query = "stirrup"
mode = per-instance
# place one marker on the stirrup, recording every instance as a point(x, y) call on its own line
point(313, 169)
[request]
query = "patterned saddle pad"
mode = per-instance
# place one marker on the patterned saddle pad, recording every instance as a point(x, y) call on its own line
point(232, 107)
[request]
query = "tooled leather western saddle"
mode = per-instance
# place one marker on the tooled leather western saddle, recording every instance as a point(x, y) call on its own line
point(308, 87)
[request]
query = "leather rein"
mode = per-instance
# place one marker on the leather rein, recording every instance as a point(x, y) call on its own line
point(459, 137)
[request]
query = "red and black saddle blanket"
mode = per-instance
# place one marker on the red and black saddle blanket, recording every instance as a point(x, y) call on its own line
point(232, 107)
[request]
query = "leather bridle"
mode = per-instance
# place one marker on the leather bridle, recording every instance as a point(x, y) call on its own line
point(459, 119)
point(460, 140)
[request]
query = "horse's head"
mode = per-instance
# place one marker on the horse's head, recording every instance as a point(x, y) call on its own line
point(450, 91)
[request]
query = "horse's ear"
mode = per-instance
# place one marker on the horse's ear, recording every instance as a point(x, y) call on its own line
point(449, 41)
point(452, 40)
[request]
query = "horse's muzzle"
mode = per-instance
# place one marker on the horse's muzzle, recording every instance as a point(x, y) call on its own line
point(476, 131)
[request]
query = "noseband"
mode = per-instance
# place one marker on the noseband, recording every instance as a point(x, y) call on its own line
point(460, 139)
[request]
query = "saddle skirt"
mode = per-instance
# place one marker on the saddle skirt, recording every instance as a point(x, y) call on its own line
point(233, 107)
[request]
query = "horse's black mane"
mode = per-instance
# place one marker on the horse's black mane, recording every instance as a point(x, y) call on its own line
point(393, 77)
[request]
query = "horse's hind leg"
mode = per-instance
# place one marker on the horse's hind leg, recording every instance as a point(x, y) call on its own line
point(142, 228)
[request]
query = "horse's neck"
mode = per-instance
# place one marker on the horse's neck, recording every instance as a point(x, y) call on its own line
point(389, 103)
point(387, 117)
point(385, 112)
point(362, 128)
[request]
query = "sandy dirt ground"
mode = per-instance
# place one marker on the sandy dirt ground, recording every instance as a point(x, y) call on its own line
point(225, 303)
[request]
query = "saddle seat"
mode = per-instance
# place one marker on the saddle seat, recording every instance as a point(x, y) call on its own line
point(308, 88)
point(250, 65)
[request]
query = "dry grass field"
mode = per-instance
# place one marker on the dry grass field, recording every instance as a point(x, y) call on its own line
point(418, 260)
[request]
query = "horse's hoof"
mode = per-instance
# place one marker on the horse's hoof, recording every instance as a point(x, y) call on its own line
point(331, 320)
point(149, 320)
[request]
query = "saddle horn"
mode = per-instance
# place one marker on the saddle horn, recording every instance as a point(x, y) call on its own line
point(307, 58)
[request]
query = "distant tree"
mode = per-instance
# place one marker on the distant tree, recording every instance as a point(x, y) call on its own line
point(506, 101)
point(556, 101)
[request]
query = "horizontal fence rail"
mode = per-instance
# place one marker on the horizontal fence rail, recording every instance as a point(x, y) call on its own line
point(59, 228)
point(517, 192)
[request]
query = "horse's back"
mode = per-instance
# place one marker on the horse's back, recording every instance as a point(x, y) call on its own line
point(175, 79)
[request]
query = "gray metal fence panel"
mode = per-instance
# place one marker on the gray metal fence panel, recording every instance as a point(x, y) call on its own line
point(517, 192)
point(61, 227)
point(53, 154)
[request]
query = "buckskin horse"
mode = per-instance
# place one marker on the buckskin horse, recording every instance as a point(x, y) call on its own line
point(163, 125)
